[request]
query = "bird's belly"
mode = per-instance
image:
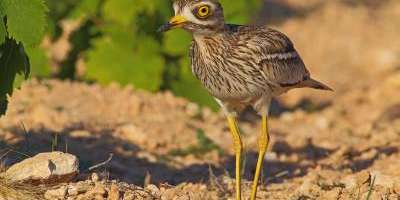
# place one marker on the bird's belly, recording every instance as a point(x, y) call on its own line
point(224, 88)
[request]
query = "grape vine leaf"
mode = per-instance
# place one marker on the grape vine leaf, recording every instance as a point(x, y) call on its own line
point(25, 20)
point(85, 8)
point(176, 42)
point(13, 61)
point(112, 59)
point(120, 11)
point(241, 11)
point(3, 31)
point(39, 62)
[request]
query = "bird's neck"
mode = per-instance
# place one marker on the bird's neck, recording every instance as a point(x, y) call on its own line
point(212, 32)
point(208, 40)
point(200, 37)
point(217, 34)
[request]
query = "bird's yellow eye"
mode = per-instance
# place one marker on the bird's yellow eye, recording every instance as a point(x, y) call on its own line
point(203, 11)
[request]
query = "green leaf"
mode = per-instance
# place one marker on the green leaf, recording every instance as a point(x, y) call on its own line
point(19, 79)
point(39, 62)
point(112, 59)
point(120, 11)
point(162, 7)
point(148, 68)
point(240, 11)
point(3, 31)
point(13, 61)
point(2, 10)
point(85, 8)
point(177, 42)
point(120, 35)
point(25, 20)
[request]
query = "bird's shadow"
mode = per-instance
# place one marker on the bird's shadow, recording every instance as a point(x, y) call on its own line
point(277, 109)
point(276, 171)
point(131, 168)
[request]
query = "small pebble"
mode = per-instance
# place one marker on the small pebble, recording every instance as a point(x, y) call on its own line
point(95, 177)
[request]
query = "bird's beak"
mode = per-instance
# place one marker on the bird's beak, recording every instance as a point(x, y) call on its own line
point(175, 22)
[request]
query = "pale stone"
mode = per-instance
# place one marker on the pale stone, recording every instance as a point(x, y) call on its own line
point(54, 167)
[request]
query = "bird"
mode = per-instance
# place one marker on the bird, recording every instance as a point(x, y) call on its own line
point(240, 66)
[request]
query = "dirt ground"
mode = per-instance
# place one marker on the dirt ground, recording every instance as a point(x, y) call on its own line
point(341, 145)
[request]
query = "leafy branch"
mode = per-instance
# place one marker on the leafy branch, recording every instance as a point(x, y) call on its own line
point(22, 25)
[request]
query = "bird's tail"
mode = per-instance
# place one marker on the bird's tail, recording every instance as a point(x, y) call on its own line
point(311, 83)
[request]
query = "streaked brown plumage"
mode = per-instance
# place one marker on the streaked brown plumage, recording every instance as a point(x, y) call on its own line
point(243, 65)
point(240, 66)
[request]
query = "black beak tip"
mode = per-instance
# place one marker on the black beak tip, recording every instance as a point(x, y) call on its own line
point(164, 28)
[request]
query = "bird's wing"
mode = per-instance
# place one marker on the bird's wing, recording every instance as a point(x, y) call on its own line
point(279, 62)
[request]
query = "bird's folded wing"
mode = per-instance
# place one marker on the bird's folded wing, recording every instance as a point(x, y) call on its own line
point(279, 62)
point(284, 69)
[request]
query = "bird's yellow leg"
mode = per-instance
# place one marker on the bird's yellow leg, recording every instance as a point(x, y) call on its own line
point(237, 143)
point(263, 146)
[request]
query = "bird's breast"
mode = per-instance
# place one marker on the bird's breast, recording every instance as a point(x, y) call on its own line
point(225, 73)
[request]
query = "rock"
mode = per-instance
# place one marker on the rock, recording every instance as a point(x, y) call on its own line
point(56, 194)
point(95, 177)
point(129, 196)
point(79, 188)
point(153, 190)
point(73, 191)
point(54, 167)
point(98, 190)
point(114, 193)
point(82, 187)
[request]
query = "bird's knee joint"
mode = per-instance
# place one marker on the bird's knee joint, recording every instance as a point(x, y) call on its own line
point(238, 147)
point(263, 145)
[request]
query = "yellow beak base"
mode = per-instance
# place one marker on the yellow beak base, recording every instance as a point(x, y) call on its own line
point(176, 22)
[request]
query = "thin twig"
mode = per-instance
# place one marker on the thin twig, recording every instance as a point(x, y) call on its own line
point(102, 163)
point(18, 152)
point(371, 188)
point(26, 135)
point(278, 175)
point(6, 153)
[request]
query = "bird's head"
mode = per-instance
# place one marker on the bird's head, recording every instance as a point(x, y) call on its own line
point(197, 16)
